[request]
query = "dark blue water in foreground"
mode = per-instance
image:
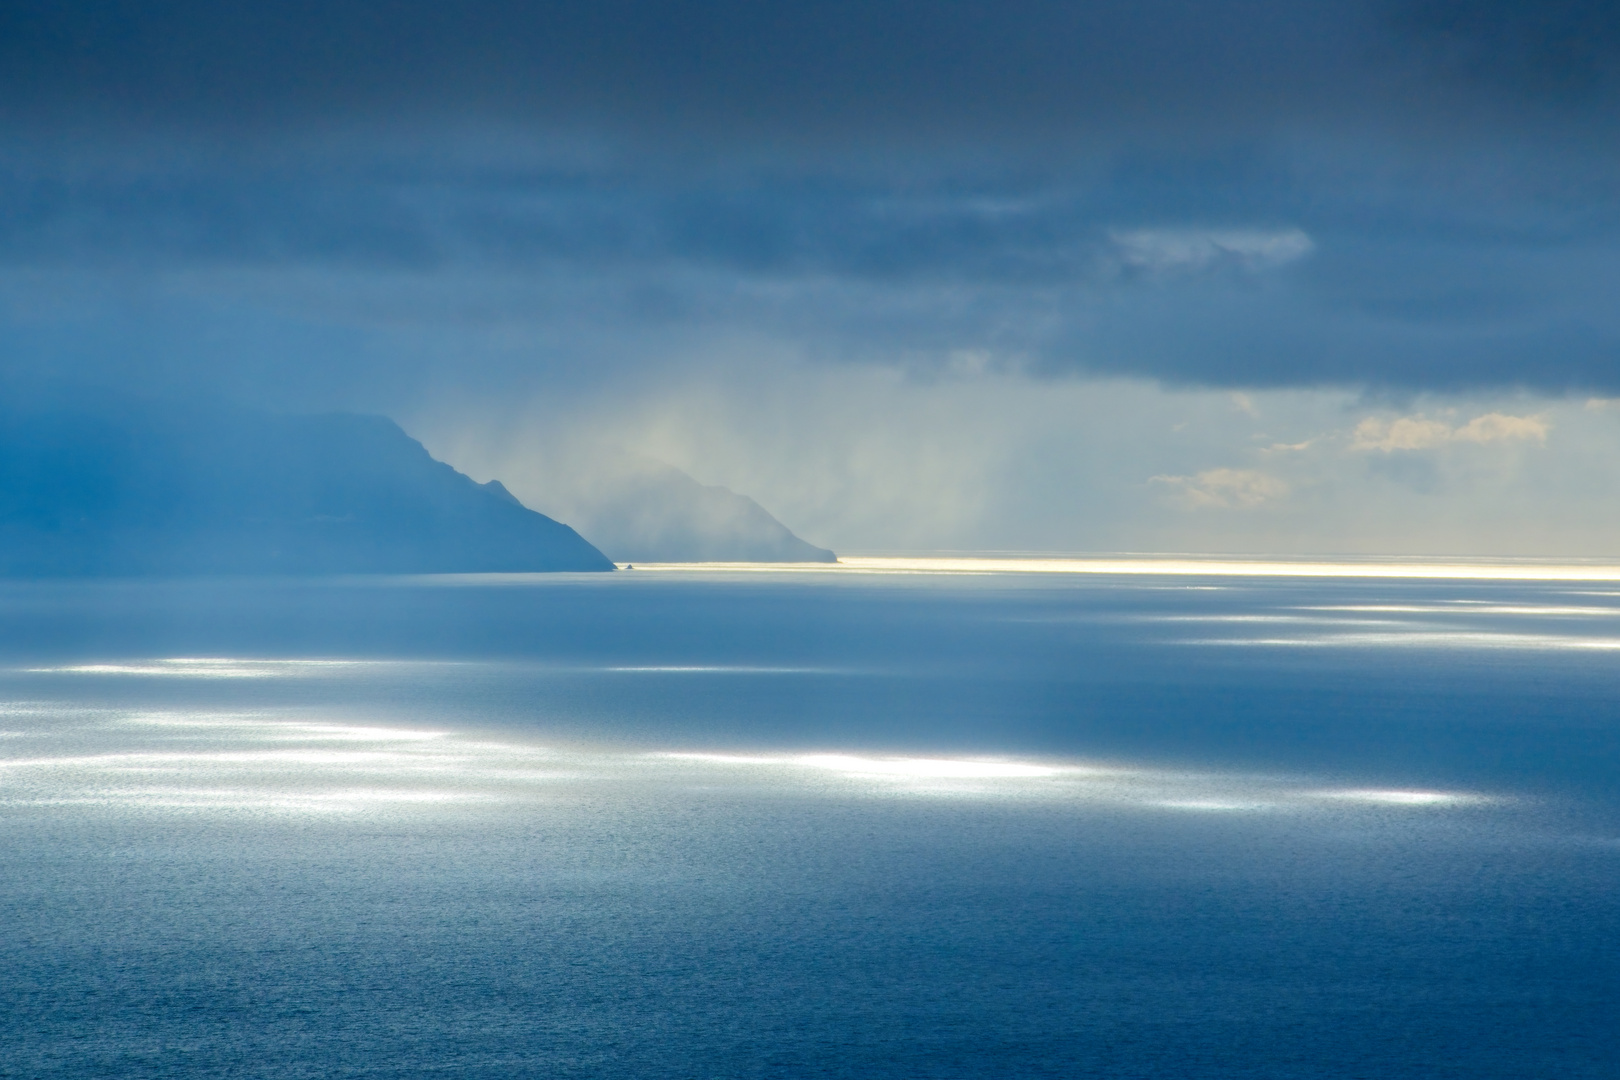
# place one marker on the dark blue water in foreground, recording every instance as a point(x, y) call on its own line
point(830, 825)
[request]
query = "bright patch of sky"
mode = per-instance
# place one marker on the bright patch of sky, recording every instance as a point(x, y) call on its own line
point(872, 460)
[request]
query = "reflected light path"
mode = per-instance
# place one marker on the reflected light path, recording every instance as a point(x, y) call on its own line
point(195, 761)
point(1422, 639)
point(186, 667)
point(1005, 822)
point(1443, 624)
point(237, 668)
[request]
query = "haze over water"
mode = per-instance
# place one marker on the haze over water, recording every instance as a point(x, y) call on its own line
point(836, 824)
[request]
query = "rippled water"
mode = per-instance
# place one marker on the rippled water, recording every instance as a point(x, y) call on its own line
point(885, 823)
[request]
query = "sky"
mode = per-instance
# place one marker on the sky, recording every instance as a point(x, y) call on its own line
point(1154, 275)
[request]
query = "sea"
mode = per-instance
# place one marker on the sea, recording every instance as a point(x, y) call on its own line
point(893, 818)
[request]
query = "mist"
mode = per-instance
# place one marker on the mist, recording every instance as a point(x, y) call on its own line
point(871, 460)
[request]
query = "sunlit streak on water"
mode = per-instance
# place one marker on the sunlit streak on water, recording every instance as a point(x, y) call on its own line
point(1453, 607)
point(1405, 798)
point(206, 668)
point(198, 762)
point(232, 668)
point(718, 669)
point(925, 767)
point(1078, 783)
point(1421, 639)
point(1442, 624)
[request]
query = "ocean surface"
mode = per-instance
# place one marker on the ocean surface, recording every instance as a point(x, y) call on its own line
point(867, 822)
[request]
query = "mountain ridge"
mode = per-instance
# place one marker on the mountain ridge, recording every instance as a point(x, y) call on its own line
point(649, 511)
point(185, 490)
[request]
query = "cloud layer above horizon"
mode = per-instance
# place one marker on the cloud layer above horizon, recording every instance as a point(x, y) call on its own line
point(498, 209)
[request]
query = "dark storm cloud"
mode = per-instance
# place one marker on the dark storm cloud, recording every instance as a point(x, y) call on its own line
point(1562, 53)
point(784, 68)
point(839, 69)
point(1250, 193)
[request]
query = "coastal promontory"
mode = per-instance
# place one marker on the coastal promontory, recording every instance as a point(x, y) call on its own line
point(114, 490)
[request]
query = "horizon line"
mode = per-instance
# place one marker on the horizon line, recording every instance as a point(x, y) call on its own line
point(1451, 568)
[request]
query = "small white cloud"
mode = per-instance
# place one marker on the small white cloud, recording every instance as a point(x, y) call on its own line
point(1216, 489)
point(1403, 433)
point(1498, 427)
point(1423, 433)
point(1190, 250)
